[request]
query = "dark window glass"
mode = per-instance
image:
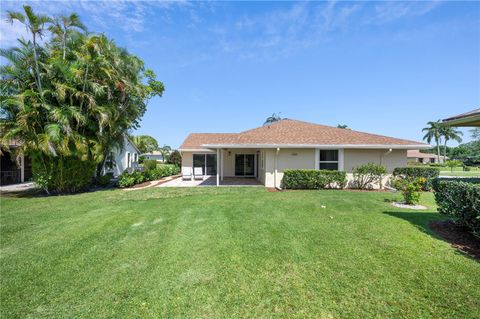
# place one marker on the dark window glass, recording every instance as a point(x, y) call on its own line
point(199, 160)
point(211, 164)
point(328, 155)
point(329, 166)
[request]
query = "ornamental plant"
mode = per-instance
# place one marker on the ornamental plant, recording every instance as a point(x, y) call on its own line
point(365, 176)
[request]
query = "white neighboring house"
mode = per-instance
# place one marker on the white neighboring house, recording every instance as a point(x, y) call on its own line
point(155, 155)
point(124, 159)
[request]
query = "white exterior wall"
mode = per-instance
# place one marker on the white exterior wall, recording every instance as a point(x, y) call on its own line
point(121, 158)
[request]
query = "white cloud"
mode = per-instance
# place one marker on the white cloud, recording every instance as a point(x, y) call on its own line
point(393, 10)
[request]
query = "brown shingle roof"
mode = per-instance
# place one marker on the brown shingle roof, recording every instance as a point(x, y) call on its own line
point(418, 154)
point(293, 132)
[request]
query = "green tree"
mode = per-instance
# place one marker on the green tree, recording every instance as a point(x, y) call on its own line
point(344, 126)
point(453, 163)
point(64, 27)
point(70, 107)
point(449, 133)
point(165, 150)
point(275, 117)
point(145, 143)
point(434, 132)
point(36, 25)
point(475, 133)
point(175, 158)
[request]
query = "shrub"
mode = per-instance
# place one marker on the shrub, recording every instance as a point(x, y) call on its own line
point(410, 189)
point(175, 158)
point(313, 179)
point(460, 199)
point(466, 168)
point(137, 177)
point(104, 180)
point(365, 175)
point(452, 164)
point(411, 173)
point(62, 174)
point(149, 164)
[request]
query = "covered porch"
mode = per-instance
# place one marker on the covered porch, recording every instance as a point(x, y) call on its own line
point(224, 167)
point(212, 181)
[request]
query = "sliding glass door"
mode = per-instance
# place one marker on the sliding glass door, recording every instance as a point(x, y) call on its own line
point(245, 165)
point(208, 163)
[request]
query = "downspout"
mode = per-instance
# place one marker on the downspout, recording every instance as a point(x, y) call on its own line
point(275, 163)
point(381, 162)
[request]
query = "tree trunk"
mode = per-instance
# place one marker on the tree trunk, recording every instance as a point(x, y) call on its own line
point(37, 69)
point(438, 151)
point(64, 43)
point(445, 151)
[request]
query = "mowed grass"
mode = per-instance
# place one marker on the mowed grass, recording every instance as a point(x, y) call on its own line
point(229, 253)
point(458, 171)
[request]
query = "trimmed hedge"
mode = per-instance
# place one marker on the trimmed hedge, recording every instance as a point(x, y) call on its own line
point(313, 179)
point(129, 179)
point(459, 199)
point(62, 174)
point(414, 172)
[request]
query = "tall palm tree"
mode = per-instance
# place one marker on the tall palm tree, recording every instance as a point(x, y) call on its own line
point(35, 24)
point(63, 26)
point(275, 117)
point(434, 132)
point(449, 133)
point(165, 150)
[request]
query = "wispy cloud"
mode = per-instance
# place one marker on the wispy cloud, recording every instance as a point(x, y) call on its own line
point(393, 10)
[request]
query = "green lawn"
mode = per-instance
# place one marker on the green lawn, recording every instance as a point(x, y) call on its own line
point(229, 253)
point(458, 171)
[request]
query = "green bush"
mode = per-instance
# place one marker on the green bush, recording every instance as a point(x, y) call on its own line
point(62, 174)
point(364, 176)
point(104, 180)
point(149, 164)
point(411, 173)
point(313, 179)
point(410, 189)
point(460, 199)
point(137, 177)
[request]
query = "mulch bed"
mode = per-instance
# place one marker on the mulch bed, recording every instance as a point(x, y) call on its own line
point(459, 237)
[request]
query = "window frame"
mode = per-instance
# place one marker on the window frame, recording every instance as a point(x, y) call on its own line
point(339, 161)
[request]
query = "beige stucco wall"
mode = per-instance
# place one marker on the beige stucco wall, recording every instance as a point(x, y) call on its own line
point(304, 159)
point(356, 157)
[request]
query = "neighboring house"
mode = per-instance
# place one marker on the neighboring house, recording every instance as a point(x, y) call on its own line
point(122, 159)
point(471, 118)
point(14, 169)
point(415, 156)
point(265, 152)
point(155, 155)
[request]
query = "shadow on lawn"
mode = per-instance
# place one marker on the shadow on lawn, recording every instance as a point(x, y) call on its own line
point(465, 244)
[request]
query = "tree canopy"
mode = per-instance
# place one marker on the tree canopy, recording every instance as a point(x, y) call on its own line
point(145, 143)
point(74, 95)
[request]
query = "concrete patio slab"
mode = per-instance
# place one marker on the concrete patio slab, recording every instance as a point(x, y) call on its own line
point(211, 181)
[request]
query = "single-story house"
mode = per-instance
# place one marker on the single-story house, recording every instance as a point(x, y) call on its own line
point(471, 118)
point(14, 168)
point(155, 155)
point(265, 152)
point(122, 159)
point(415, 156)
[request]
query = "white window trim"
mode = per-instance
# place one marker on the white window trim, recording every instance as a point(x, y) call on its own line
point(204, 168)
point(340, 162)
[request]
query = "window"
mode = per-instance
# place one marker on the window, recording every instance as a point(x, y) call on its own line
point(128, 159)
point(328, 160)
point(208, 163)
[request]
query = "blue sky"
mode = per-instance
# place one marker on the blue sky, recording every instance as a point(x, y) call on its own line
point(379, 67)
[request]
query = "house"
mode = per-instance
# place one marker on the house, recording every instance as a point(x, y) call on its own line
point(155, 155)
point(122, 159)
point(415, 156)
point(265, 152)
point(14, 167)
point(471, 118)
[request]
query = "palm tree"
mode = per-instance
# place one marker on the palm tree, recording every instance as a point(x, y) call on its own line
point(449, 133)
point(165, 151)
point(275, 117)
point(35, 24)
point(62, 27)
point(433, 132)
